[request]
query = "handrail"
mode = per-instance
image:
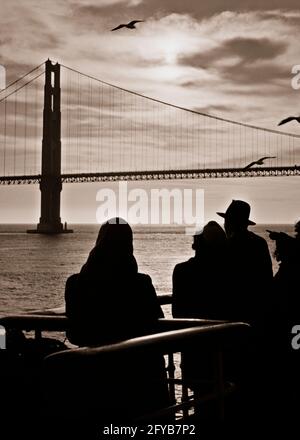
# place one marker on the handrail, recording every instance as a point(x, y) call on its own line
point(87, 361)
point(60, 323)
point(172, 336)
point(35, 322)
point(165, 342)
point(50, 319)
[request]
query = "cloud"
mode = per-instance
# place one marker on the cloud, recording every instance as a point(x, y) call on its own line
point(255, 74)
point(209, 61)
point(243, 60)
point(234, 63)
point(240, 49)
point(253, 49)
point(106, 3)
point(218, 109)
point(96, 10)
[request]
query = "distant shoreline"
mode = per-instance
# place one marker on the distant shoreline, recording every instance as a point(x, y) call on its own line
point(21, 228)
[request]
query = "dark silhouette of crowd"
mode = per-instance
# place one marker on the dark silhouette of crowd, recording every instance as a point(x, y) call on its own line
point(230, 278)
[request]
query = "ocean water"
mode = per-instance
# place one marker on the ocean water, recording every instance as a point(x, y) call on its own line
point(34, 268)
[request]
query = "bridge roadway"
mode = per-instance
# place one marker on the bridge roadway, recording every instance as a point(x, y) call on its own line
point(159, 175)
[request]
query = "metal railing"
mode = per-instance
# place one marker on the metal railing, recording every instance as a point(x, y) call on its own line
point(171, 336)
point(201, 339)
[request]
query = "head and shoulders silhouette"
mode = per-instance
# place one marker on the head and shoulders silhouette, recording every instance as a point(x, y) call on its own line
point(113, 251)
point(112, 258)
point(249, 255)
point(237, 221)
point(198, 283)
point(110, 289)
point(209, 243)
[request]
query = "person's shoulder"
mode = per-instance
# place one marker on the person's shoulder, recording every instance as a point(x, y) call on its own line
point(257, 239)
point(72, 278)
point(72, 282)
point(143, 277)
point(184, 264)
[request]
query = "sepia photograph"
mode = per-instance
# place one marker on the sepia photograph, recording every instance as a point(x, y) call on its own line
point(149, 219)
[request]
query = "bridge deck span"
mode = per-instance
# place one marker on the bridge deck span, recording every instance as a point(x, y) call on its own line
point(159, 175)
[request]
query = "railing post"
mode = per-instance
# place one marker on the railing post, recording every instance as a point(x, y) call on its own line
point(171, 371)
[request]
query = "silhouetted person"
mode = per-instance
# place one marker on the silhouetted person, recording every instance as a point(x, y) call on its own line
point(287, 278)
point(285, 313)
point(199, 283)
point(274, 235)
point(109, 300)
point(250, 265)
point(199, 291)
point(248, 298)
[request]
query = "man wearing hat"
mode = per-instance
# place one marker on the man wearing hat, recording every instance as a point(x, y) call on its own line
point(251, 265)
point(248, 300)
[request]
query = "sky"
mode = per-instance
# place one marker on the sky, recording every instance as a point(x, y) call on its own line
point(232, 59)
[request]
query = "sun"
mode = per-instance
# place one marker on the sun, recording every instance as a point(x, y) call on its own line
point(171, 47)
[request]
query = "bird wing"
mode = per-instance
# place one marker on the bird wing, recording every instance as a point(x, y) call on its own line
point(249, 165)
point(134, 21)
point(267, 157)
point(118, 27)
point(284, 121)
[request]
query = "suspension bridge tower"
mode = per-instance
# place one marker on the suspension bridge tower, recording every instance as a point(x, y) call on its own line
point(51, 183)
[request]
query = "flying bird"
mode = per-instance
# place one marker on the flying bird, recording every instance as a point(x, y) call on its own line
point(258, 162)
point(130, 25)
point(289, 119)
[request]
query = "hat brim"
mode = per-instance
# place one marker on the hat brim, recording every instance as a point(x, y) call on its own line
point(222, 214)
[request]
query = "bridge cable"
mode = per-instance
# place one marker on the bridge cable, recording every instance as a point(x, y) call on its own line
point(22, 77)
point(182, 108)
point(21, 87)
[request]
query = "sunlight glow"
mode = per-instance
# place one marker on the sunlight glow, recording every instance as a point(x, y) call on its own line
point(167, 72)
point(171, 48)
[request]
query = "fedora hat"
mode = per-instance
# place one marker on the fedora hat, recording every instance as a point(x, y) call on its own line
point(238, 211)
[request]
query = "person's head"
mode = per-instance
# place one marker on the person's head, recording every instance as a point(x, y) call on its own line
point(236, 217)
point(115, 236)
point(211, 238)
point(113, 250)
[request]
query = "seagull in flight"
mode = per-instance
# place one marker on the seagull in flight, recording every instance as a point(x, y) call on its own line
point(130, 25)
point(258, 162)
point(290, 118)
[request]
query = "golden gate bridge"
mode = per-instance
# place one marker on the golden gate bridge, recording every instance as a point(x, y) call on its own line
point(60, 125)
